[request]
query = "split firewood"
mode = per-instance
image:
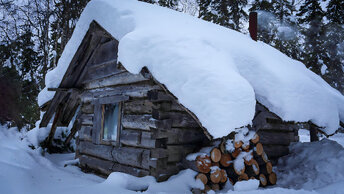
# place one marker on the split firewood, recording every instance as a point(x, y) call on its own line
point(215, 155)
point(206, 188)
point(238, 144)
point(259, 149)
point(236, 153)
point(223, 176)
point(266, 168)
point(249, 159)
point(243, 177)
point(255, 139)
point(215, 175)
point(239, 168)
point(272, 178)
point(215, 187)
point(245, 147)
point(253, 169)
point(226, 160)
point(262, 180)
point(262, 159)
point(202, 177)
point(203, 163)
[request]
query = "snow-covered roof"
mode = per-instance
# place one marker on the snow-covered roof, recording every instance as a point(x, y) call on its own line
point(215, 72)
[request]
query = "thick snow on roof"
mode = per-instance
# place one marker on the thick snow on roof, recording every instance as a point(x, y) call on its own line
point(215, 72)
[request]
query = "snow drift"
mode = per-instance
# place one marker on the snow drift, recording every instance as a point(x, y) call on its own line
point(312, 165)
point(215, 72)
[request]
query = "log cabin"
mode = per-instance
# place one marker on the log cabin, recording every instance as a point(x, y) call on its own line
point(133, 122)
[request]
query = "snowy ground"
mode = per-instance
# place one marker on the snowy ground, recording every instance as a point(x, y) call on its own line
point(310, 168)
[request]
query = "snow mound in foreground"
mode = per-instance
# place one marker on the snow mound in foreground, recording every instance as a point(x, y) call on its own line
point(312, 165)
point(215, 72)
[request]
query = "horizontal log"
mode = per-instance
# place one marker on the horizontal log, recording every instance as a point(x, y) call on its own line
point(275, 151)
point(142, 122)
point(124, 78)
point(104, 70)
point(276, 138)
point(176, 153)
point(85, 133)
point(106, 167)
point(159, 96)
point(141, 139)
point(123, 155)
point(179, 119)
point(87, 108)
point(138, 106)
point(96, 164)
point(185, 136)
point(86, 119)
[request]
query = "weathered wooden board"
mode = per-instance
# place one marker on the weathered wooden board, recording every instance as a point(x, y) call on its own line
point(130, 137)
point(276, 138)
point(275, 151)
point(87, 108)
point(176, 153)
point(137, 90)
point(124, 78)
point(106, 52)
point(185, 136)
point(86, 119)
point(85, 133)
point(130, 170)
point(159, 96)
point(137, 106)
point(100, 151)
point(99, 165)
point(123, 155)
point(142, 122)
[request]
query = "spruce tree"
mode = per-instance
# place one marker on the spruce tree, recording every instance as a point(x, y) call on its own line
point(311, 16)
point(334, 44)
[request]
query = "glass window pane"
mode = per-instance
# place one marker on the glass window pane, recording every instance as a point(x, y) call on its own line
point(110, 121)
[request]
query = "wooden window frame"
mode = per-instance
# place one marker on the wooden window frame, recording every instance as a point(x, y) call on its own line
point(119, 125)
point(97, 134)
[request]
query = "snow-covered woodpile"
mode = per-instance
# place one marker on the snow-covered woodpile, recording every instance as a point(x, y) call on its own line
point(236, 158)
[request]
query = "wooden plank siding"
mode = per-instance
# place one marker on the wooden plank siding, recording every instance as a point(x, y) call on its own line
point(275, 134)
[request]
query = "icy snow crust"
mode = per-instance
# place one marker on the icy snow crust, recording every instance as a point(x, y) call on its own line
point(215, 72)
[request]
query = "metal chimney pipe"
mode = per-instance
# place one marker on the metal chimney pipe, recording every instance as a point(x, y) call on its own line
point(253, 25)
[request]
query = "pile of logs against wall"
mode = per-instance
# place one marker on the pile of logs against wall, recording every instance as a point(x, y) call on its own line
point(234, 160)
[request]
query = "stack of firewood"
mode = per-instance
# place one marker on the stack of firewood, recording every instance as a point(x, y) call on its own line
point(236, 159)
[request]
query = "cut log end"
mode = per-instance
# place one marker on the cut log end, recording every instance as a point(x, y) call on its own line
point(226, 160)
point(272, 178)
point(269, 167)
point(203, 163)
point(216, 176)
point(255, 139)
point(215, 155)
point(259, 149)
point(236, 153)
point(223, 176)
point(238, 144)
point(255, 167)
point(202, 177)
point(262, 180)
point(242, 177)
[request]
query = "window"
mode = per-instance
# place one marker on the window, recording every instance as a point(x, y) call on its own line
point(110, 121)
point(107, 120)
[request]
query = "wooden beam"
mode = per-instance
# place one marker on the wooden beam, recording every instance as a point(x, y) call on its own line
point(50, 137)
point(75, 128)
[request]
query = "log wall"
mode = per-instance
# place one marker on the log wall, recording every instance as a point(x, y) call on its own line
point(275, 134)
point(156, 133)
